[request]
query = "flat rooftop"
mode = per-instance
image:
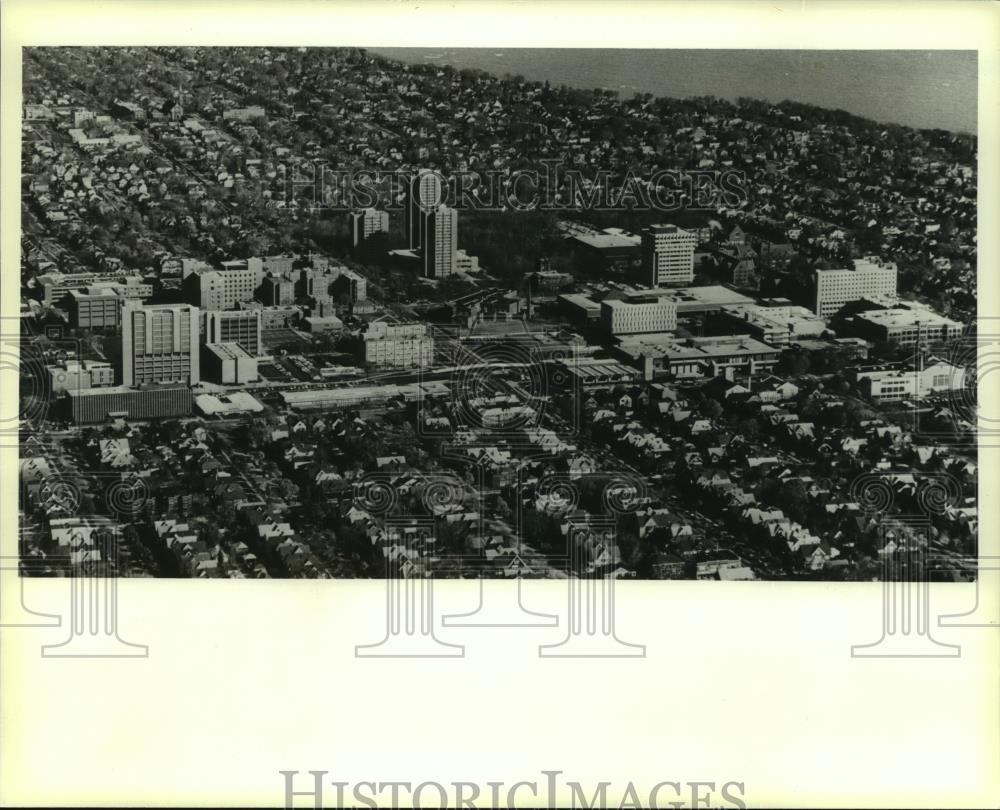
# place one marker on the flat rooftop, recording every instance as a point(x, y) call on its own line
point(228, 351)
point(608, 241)
point(695, 299)
point(348, 395)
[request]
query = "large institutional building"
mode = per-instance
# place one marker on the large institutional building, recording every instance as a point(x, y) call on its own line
point(159, 344)
point(221, 289)
point(668, 255)
point(870, 277)
point(639, 314)
point(242, 326)
point(404, 345)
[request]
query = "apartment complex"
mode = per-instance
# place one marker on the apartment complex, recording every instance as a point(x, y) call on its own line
point(870, 277)
point(407, 345)
point(159, 344)
point(668, 255)
point(638, 314)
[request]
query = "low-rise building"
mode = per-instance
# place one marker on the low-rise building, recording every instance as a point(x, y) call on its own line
point(907, 324)
point(149, 402)
point(777, 325)
point(890, 384)
point(77, 375)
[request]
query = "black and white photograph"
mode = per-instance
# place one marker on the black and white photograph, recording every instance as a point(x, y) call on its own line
point(410, 403)
point(535, 313)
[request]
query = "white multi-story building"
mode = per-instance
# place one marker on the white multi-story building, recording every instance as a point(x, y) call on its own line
point(159, 344)
point(906, 324)
point(221, 289)
point(870, 277)
point(407, 345)
point(777, 325)
point(639, 315)
point(56, 286)
point(885, 385)
point(668, 255)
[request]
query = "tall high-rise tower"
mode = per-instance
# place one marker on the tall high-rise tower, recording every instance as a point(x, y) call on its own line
point(668, 255)
point(423, 195)
point(159, 343)
point(439, 242)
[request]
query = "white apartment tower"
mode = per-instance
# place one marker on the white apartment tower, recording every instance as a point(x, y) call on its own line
point(668, 255)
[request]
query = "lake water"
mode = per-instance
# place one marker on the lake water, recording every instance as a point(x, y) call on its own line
point(915, 88)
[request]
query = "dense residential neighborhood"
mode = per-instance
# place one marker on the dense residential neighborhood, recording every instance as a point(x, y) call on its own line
point(227, 371)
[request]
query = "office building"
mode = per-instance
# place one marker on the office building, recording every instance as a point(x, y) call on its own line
point(638, 314)
point(609, 251)
point(95, 308)
point(698, 356)
point(159, 344)
point(367, 222)
point(668, 255)
point(907, 324)
point(227, 364)
point(405, 345)
point(835, 288)
point(778, 325)
point(235, 326)
point(439, 244)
